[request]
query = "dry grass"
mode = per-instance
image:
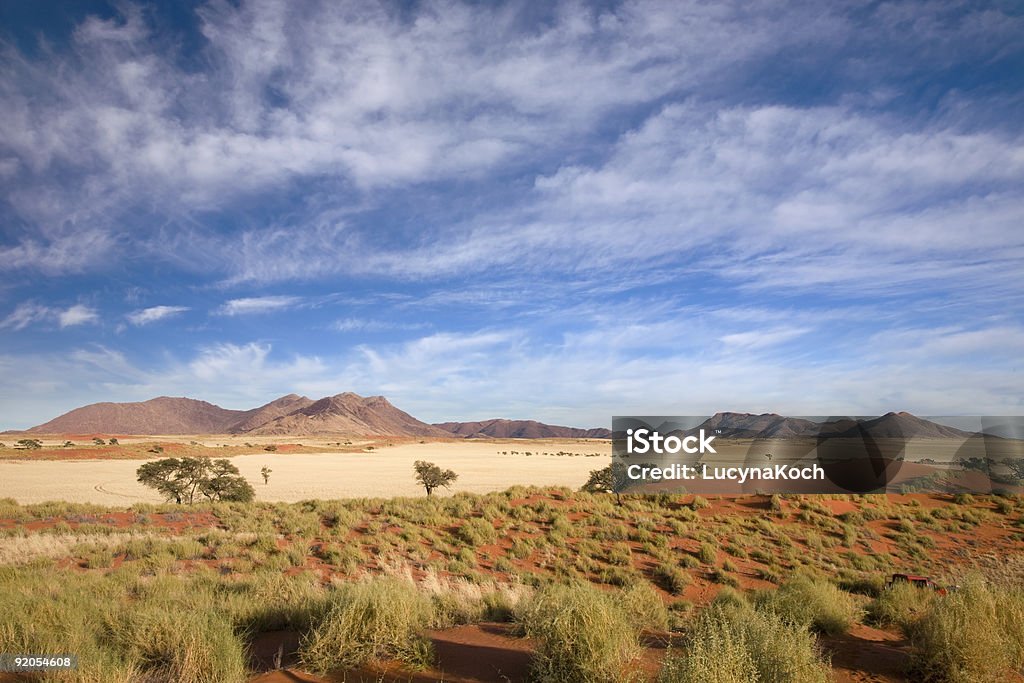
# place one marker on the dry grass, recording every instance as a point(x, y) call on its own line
point(583, 634)
point(377, 618)
point(302, 476)
point(735, 644)
point(973, 635)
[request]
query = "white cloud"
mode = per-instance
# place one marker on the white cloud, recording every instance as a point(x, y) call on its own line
point(77, 315)
point(25, 314)
point(759, 339)
point(149, 315)
point(359, 97)
point(29, 313)
point(371, 325)
point(257, 304)
point(509, 373)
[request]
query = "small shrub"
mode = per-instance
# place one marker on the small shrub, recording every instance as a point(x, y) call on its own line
point(900, 605)
point(672, 578)
point(707, 553)
point(973, 635)
point(583, 635)
point(817, 604)
point(736, 644)
point(476, 532)
point(380, 618)
point(195, 647)
point(699, 503)
point(644, 607)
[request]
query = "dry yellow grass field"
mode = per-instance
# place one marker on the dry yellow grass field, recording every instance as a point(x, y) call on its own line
point(386, 471)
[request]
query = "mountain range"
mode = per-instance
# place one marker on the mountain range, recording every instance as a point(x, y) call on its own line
point(291, 415)
point(771, 426)
point(352, 414)
point(520, 429)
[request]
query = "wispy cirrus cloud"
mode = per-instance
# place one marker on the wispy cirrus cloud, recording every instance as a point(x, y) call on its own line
point(145, 316)
point(29, 313)
point(257, 304)
point(361, 99)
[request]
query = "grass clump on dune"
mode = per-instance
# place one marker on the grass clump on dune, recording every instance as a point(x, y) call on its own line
point(734, 644)
point(121, 626)
point(900, 605)
point(380, 618)
point(180, 646)
point(815, 603)
point(583, 634)
point(973, 635)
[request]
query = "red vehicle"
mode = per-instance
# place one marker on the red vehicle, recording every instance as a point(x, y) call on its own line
point(919, 581)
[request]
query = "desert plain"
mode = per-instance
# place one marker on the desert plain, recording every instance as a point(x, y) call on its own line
point(323, 468)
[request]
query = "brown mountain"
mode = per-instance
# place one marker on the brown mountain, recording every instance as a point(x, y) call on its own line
point(163, 415)
point(771, 426)
point(763, 426)
point(906, 426)
point(349, 413)
point(273, 410)
point(520, 429)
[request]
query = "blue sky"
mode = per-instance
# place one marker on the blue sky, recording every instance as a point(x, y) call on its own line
point(531, 210)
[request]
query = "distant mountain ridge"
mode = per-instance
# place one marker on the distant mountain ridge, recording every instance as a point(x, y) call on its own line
point(291, 415)
point(772, 426)
point(520, 429)
point(162, 415)
point(352, 414)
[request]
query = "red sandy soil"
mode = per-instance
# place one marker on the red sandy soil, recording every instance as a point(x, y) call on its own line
point(867, 655)
point(485, 653)
point(465, 654)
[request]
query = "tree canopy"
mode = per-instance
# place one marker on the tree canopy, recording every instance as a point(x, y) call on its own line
point(430, 476)
point(183, 479)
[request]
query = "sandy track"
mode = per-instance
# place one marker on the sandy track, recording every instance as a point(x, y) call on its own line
point(385, 472)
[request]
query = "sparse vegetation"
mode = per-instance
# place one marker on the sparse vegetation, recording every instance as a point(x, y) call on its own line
point(265, 566)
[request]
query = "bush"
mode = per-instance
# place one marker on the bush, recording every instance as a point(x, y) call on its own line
point(379, 618)
point(644, 606)
point(972, 635)
point(813, 603)
point(900, 605)
point(179, 646)
point(476, 532)
point(672, 578)
point(583, 635)
point(708, 553)
point(730, 644)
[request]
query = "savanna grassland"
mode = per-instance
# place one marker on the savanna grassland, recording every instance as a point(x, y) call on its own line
point(525, 584)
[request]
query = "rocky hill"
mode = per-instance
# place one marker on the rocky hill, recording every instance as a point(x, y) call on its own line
point(520, 429)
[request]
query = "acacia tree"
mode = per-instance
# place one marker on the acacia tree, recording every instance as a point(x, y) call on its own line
point(604, 480)
point(1016, 466)
point(181, 479)
point(430, 476)
point(224, 482)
